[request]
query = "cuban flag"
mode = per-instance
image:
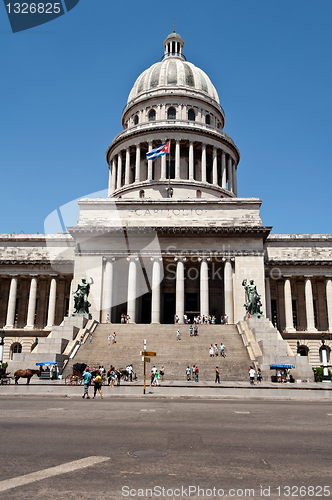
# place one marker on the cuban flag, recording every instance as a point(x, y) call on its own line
point(158, 151)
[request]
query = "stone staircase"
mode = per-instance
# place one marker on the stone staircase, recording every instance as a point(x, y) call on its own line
point(173, 354)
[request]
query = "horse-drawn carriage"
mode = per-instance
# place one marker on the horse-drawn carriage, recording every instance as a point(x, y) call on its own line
point(4, 377)
point(76, 378)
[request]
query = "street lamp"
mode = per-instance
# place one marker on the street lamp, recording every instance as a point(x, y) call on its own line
point(323, 349)
point(2, 336)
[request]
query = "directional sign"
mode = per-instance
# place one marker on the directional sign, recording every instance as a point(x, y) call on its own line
point(146, 353)
point(147, 360)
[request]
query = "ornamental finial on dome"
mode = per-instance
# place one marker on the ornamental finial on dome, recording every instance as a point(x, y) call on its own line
point(174, 45)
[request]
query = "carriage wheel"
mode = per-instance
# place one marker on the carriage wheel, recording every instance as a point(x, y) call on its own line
point(68, 380)
point(8, 380)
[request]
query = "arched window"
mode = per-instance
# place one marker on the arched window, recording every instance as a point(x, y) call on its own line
point(191, 115)
point(152, 115)
point(207, 119)
point(303, 350)
point(198, 193)
point(171, 114)
point(136, 120)
point(142, 193)
point(15, 348)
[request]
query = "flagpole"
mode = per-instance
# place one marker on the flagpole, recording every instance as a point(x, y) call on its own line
point(169, 189)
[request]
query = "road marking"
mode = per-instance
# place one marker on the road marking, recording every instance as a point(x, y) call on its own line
point(329, 414)
point(242, 412)
point(52, 471)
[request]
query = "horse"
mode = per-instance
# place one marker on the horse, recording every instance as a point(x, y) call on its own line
point(26, 374)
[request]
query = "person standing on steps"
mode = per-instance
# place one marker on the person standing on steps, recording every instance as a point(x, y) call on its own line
point(90, 339)
point(195, 330)
point(222, 350)
point(178, 333)
point(113, 338)
point(86, 381)
point(109, 339)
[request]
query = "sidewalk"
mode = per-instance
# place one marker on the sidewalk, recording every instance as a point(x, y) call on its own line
point(179, 389)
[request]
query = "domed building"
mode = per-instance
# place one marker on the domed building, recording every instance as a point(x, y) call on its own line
point(172, 240)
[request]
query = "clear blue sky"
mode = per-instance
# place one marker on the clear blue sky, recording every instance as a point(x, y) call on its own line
point(64, 85)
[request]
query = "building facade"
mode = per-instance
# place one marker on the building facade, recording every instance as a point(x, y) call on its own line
point(172, 237)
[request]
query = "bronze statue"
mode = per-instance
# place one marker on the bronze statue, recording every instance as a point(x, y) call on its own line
point(81, 304)
point(253, 299)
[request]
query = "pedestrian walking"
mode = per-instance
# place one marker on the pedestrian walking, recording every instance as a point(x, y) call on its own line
point(152, 378)
point(162, 373)
point(86, 382)
point(109, 338)
point(113, 338)
point(193, 372)
point(217, 375)
point(196, 373)
point(211, 351)
point(178, 333)
point(216, 349)
point(90, 339)
point(188, 373)
point(97, 387)
point(156, 378)
point(195, 330)
point(191, 330)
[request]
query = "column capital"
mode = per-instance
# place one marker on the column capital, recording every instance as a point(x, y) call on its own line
point(133, 257)
point(181, 259)
point(156, 258)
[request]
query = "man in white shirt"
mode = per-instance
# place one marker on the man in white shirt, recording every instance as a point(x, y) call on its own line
point(252, 375)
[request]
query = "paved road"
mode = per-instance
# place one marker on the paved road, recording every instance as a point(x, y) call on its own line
point(232, 446)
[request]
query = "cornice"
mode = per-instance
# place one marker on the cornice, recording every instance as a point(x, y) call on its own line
point(123, 136)
point(298, 263)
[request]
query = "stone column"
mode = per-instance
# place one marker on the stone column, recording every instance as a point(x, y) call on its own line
point(179, 306)
point(118, 185)
point(228, 290)
point(234, 179)
point(71, 299)
point(113, 175)
point(223, 170)
point(204, 288)
point(150, 164)
point(32, 304)
point(155, 298)
point(309, 305)
point(52, 303)
point(110, 180)
point(131, 298)
point(127, 168)
point(108, 290)
point(191, 160)
point(215, 167)
point(11, 303)
point(230, 174)
point(268, 299)
point(177, 159)
point(288, 306)
point(329, 302)
point(203, 162)
point(138, 163)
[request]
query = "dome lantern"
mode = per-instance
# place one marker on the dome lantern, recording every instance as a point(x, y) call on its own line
point(173, 46)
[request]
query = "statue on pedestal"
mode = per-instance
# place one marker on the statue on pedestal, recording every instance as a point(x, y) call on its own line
point(253, 299)
point(81, 303)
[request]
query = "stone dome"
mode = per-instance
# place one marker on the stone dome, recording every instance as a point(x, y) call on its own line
point(173, 71)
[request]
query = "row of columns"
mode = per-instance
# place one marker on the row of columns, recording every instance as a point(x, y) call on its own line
point(156, 288)
point(30, 322)
point(228, 167)
point(309, 303)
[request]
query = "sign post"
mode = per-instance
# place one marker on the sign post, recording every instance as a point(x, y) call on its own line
point(146, 359)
